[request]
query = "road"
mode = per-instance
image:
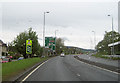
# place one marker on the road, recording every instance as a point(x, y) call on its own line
point(70, 69)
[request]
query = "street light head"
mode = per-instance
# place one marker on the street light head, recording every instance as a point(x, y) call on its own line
point(108, 15)
point(47, 12)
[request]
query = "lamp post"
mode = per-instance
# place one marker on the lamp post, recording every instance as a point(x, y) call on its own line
point(112, 36)
point(55, 33)
point(94, 38)
point(44, 33)
point(55, 39)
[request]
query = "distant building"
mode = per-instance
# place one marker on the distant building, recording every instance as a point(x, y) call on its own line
point(116, 46)
point(117, 43)
point(3, 48)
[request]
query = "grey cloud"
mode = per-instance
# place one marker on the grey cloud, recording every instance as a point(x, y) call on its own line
point(70, 19)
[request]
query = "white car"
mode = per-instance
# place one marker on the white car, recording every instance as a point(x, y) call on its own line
point(20, 58)
point(62, 55)
point(2, 57)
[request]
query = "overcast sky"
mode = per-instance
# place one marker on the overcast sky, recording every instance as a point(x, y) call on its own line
point(74, 20)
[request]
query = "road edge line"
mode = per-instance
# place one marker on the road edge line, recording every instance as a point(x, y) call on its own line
point(33, 71)
point(99, 67)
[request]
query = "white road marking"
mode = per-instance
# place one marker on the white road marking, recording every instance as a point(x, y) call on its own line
point(33, 71)
point(78, 74)
point(89, 57)
point(100, 68)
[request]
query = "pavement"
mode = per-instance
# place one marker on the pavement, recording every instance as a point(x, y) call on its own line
point(112, 56)
point(69, 69)
point(100, 60)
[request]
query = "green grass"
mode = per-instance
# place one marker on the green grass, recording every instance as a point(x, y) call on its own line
point(13, 68)
point(105, 57)
point(116, 58)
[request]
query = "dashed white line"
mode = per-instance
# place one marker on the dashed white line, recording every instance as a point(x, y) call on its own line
point(78, 74)
point(89, 57)
point(33, 71)
point(100, 68)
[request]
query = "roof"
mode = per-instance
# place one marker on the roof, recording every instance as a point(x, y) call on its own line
point(1, 41)
point(3, 44)
point(113, 44)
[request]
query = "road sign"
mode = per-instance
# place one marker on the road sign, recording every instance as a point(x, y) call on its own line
point(46, 42)
point(28, 46)
point(50, 43)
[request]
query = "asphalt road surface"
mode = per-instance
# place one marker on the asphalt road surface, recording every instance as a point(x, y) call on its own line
point(70, 69)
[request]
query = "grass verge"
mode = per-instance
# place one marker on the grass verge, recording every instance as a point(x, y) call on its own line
point(13, 68)
point(105, 57)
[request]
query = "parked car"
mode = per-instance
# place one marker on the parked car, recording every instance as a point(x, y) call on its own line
point(0, 60)
point(5, 60)
point(20, 58)
point(10, 57)
point(42, 56)
point(62, 55)
point(2, 57)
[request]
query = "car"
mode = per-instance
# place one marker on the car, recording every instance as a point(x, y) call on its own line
point(62, 55)
point(10, 57)
point(43, 56)
point(20, 58)
point(0, 60)
point(5, 60)
point(2, 57)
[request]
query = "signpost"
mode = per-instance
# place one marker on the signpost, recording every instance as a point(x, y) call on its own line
point(50, 43)
point(28, 46)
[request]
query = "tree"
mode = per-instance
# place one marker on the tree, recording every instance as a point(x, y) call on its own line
point(59, 45)
point(19, 43)
point(103, 47)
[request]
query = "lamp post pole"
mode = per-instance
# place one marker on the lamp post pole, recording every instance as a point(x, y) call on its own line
point(44, 33)
point(112, 36)
point(55, 33)
point(94, 38)
point(55, 39)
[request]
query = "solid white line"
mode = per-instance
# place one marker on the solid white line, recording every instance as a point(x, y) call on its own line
point(100, 68)
point(33, 71)
point(107, 70)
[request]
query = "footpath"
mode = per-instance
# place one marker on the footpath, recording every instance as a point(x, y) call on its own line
point(113, 65)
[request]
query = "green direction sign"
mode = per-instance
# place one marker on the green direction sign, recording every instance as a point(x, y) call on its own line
point(28, 46)
point(47, 42)
point(50, 43)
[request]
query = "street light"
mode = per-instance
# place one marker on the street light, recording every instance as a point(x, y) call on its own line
point(55, 39)
point(55, 33)
point(94, 38)
point(112, 36)
point(44, 32)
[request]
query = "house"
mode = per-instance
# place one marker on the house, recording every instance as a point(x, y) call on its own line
point(3, 48)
